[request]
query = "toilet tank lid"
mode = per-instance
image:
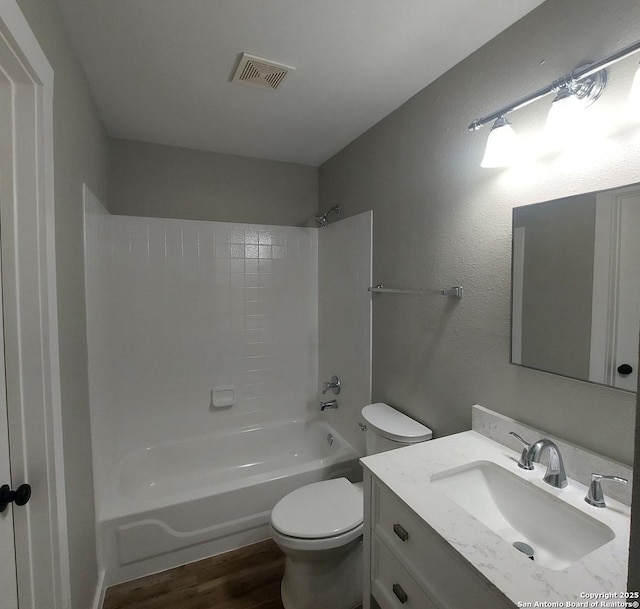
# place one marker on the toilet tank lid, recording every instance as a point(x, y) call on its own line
point(392, 424)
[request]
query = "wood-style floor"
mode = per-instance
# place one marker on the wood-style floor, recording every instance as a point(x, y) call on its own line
point(248, 578)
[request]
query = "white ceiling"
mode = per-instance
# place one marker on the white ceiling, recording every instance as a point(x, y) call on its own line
point(160, 70)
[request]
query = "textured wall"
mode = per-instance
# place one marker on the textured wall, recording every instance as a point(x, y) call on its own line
point(80, 155)
point(169, 182)
point(441, 220)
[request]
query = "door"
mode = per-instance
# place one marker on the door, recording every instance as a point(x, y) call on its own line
point(8, 584)
point(34, 556)
point(625, 360)
point(616, 289)
point(8, 554)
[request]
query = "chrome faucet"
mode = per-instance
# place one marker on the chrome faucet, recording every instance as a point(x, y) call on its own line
point(333, 385)
point(329, 404)
point(595, 496)
point(525, 461)
point(555, 475)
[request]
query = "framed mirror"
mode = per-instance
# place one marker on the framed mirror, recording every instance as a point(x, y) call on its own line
point(575, 306)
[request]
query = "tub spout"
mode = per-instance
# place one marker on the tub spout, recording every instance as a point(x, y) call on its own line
point(329, 404)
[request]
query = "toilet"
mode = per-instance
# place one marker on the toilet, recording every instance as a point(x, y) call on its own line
point(319, 526)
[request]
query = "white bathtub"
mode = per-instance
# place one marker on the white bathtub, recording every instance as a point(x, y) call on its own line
point(180, 502)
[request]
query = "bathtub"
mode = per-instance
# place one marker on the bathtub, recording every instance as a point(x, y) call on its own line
point(179, 502)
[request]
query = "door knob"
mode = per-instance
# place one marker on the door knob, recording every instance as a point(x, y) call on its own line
point(20, 496)
point(625, 369)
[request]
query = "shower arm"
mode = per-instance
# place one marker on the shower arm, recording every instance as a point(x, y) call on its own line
point(321, 220)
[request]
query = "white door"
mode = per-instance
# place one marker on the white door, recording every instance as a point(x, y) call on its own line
point(626, 352)
point(34, 558)
point(616, 289)
point(7, 545)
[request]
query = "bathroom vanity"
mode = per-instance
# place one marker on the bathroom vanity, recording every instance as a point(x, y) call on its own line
point(413, 566)
point(435, 534)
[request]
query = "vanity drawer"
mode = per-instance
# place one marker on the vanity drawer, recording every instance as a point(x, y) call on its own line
point(399, 527)
point(391, 585)
point(448, 579)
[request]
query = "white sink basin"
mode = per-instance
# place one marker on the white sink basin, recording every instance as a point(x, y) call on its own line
point(518, 511)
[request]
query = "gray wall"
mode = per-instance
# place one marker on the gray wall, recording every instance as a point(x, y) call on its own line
point(169, 182)
point(441, 220)
point(80, 155)
point(558, 284)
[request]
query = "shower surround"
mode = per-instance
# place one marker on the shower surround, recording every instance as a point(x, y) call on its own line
point(178, 309)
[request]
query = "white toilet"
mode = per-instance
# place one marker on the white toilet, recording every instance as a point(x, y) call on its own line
point(319, 526)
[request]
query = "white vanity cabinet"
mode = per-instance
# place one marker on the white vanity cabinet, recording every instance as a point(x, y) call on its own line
point(409, 566)
point(426, 548)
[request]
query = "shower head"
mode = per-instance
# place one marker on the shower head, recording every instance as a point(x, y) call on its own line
point(322, 221)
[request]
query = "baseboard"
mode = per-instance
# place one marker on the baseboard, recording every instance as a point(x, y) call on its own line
point(98, 599)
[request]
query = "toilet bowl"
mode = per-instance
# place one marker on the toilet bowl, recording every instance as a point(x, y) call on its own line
point(319, 526)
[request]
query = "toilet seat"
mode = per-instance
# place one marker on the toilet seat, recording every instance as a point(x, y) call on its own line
point(319, 544)
point(329, 509)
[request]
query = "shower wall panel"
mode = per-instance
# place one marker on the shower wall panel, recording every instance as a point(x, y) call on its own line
point(196, 307)
point(344, 310)
point(98, 245)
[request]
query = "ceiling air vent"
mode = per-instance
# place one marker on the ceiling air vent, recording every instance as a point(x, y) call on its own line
point(260, 72)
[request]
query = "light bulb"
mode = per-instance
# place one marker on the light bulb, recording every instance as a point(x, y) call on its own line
point(565, 118)
point(501, 145)
point(634, 97)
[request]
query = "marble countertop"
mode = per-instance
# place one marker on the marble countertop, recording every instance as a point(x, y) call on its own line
point(407, 471)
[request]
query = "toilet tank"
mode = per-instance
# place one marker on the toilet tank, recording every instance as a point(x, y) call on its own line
point(388, 428)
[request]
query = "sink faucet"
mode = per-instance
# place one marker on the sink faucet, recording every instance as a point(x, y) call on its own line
point(555, 475)
point(329, 404)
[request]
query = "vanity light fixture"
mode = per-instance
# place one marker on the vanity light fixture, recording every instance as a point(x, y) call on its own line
point(563, 107)
point(564, 121)
point(573, 92)
point(634, 96)
point(500, 145)
point(564, 118)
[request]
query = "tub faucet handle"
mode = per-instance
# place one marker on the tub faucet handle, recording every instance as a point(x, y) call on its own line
point(333, 385)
